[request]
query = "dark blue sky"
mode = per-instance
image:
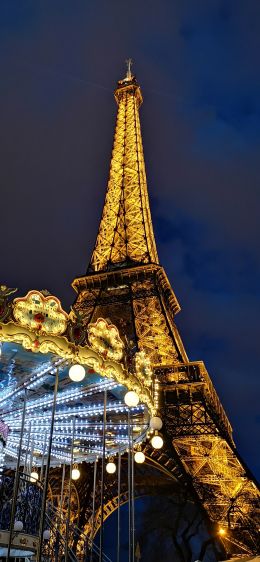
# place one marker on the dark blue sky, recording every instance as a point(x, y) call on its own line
point(198, 65)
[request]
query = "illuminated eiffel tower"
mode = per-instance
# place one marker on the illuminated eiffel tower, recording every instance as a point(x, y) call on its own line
point(126, 283)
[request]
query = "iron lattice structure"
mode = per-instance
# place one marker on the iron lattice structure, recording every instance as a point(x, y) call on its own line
point(125, 232)
point(126, 284)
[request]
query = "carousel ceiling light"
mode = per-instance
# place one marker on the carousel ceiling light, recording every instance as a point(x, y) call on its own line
point(34, 476)
point(131, 399)
point(111, 467)
point(18, 526)
point(157, 441)
point(139, 457)
point(156, 423)
point(75, 473)
point(77, 373)
point(46, 535)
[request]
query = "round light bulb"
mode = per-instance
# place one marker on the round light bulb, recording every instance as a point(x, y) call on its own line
point(139, 457)
point(156, 423)
point(34, 476)
point(222, 531)
point(18, 526)
point(157, 442)
point(75, 474)
point(131, 398)
point(77, 373)
point(111, 467)
point(46, 535)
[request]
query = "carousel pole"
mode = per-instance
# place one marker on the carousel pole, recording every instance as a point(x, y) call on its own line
point(31, 458)
point(133, 497)
point(69, 494)
point(101, 543)
point(48, 461)
point(93, 508)
point(59, 518)
point(129, 490)
point(118, 505)
point(16, 481)
point(27, 449)
point(62, 488)
point(43, 455)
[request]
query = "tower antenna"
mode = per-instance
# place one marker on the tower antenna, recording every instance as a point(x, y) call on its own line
point(129, 64)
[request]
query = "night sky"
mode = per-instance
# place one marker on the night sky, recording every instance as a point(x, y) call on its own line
point(198, 65)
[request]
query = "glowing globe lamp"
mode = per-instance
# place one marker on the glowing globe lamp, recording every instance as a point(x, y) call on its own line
point(77, 373)
point(111, 467)
point(34, 476)
point(18, 526)
point(75, 473)
point(46, 535)
point(131, 399)
point(139, 457)
point(157, 441)
point(156, 423)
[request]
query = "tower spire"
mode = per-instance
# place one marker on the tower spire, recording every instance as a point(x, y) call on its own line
point(129, 63)
point(125, 233)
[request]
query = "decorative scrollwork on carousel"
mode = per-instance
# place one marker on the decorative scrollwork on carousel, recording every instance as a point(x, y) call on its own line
point(104, 338)
point(40, 313)
point(76, 330)
point(39, 324)
point(5, 305)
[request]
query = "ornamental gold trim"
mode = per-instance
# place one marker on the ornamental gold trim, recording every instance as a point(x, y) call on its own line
point(84, 355)
point(41, 313)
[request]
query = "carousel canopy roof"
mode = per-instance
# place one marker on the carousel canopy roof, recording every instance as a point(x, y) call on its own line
point(36, 341)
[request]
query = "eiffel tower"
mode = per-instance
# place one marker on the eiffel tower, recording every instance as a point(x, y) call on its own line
point(126, 283)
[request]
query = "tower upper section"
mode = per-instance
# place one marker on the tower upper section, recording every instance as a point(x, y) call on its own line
point(125, 233)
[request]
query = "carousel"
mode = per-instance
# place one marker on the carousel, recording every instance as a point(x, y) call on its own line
point(73, 400)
